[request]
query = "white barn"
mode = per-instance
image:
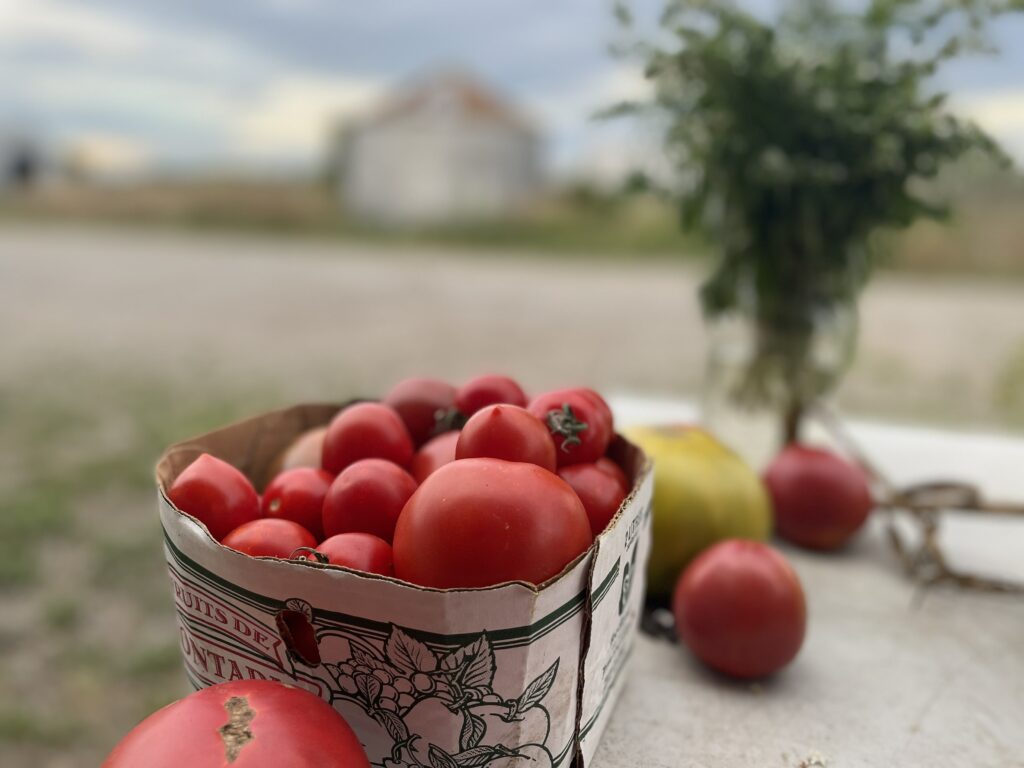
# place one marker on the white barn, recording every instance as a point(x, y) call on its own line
point(446, 149)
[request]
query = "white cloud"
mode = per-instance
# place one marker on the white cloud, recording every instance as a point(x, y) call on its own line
point(109, 156)
point(189, 98)
point(293, 113)
point(74, 26)
point(1001, 113)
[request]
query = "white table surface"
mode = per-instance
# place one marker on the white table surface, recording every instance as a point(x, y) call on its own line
point(887, 676)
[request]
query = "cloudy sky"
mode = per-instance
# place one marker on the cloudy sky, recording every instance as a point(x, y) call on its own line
point(255, 83)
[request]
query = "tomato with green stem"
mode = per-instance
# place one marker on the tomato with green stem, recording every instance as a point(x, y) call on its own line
point(580, 425)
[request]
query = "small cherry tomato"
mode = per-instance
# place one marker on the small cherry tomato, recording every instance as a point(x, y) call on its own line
point(740, 608)
point(820, 500)
point(607, 465)
point(364, 431)
point(269, 537)
point(242, 724)
point(579, 424)
point(298, 495)
point(306, 450)
point(480, 522)
point(507, 432)
point(216, 494)
point(488, 390)
point(367, 497)
point(359, 551)
point(600, 491)
point(434, 453)
point(423, 404)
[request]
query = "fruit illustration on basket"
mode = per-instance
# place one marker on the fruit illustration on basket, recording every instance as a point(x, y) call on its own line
point(440, 708)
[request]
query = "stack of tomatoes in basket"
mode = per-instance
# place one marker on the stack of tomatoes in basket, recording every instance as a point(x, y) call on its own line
point(440, 486)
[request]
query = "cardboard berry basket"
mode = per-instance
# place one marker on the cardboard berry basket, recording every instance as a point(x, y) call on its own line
point(511, 675)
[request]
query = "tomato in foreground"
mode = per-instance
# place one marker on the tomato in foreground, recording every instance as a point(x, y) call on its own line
point(360, 551)
point(216, 494)
point(820, 500)
point(423, 404)
point(364, 431)
point(306, 450)
point(367, 497)
point(507, 432)
point(533, 527)
point(242, 724)
point(600, 490)
point(269, 537)
point(298, 495)
point(487, 390)
point(740, 608)
point(580, 425)
point(435, 453)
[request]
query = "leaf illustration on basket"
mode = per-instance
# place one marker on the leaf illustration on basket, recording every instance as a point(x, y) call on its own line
point(473, 664)
point(534, 692)
point(479, 756)
point(441, 759)
point(473, 729)
point(408, 654)
point(438, 708)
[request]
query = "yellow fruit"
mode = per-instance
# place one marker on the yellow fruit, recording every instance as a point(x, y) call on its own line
point(703, 492)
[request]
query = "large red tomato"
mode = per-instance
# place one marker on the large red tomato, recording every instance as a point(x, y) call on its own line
point(423, 404)
point(479, 522)
point(580, 424)
point(488, 390)
point(367, 496)
point(242, 724)
point(434, 453)
point(600, 490)
point(360, 551)
point(365, 431)
point(298, 495)
point(269, 537)
point(216, 494)
point(820, 500)
point(740, 608)
point(507, 432)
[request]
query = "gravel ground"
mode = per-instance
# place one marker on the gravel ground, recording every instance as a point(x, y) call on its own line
point(319, 319)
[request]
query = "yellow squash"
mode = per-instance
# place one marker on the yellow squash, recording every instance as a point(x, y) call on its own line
point(703, 492)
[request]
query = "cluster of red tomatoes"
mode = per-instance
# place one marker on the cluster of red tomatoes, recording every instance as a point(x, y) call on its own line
point(440, 486)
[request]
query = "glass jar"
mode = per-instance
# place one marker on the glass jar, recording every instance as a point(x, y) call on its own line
point(756, 371)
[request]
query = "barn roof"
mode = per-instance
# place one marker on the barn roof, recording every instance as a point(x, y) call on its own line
point(450, 89)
